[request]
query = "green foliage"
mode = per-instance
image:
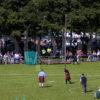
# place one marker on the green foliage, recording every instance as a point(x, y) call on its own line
point(15, 33)
point(83, 15)
point(2, 14)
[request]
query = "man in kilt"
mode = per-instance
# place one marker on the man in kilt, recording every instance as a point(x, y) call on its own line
point(67, 76)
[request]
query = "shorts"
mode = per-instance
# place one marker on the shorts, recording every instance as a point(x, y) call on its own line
point(41, 79)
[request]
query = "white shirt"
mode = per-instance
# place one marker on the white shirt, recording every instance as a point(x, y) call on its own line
point(16, 56)
point(98, 53)
point(41, 73)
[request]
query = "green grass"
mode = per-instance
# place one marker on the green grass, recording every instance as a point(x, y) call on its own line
point(21, 80)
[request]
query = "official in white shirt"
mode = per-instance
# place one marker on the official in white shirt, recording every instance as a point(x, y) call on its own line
point(41, 77)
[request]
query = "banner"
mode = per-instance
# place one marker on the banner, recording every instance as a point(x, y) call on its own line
point(30, 57)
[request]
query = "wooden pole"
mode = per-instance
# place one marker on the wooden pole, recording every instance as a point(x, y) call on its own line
point(65, 40)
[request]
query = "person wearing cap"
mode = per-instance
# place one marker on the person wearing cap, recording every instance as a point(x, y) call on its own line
point(83, 82)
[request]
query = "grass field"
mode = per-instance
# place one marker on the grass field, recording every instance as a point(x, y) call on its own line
point(21, 81)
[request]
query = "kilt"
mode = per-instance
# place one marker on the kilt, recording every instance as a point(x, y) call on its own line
point(41, 79)
point(67, 76)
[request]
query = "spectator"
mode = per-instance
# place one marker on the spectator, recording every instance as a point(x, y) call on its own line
point(1, 56)
point(90, 57)
point(5, 58)
point(12, 58)
point(94, 56)
point(9, 57)
point(74, 57)
point(16, 58)
point(98, 55)
point(79, 53)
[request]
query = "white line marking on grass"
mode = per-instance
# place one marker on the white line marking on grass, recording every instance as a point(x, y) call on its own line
point(15, 74)
point(51, 81)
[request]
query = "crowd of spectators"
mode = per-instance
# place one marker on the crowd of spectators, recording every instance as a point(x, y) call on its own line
point(11, 58)
point(95, 56)
point(17, 58)
point(80, 56)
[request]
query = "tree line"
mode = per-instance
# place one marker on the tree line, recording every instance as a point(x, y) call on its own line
point(41, 16)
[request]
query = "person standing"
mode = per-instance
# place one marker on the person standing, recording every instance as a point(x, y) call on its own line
point(41, 77)
point(78, 54)
point(67, 76)
point(83, 82)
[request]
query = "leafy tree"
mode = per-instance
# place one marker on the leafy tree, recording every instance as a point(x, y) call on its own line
point(38, 17)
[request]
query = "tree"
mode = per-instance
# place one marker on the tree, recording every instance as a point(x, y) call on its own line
point(38, 17)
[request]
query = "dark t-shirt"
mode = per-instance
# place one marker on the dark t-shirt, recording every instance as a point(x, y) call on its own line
point(83, 80)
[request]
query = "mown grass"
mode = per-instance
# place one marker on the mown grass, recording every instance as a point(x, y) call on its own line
point(21, 80)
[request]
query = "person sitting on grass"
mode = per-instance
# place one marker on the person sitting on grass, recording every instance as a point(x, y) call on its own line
point(41, 77)
point(97, 94)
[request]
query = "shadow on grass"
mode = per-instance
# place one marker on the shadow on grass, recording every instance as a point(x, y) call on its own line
point(47, 86)
point(72, 83)
point(89, 91)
